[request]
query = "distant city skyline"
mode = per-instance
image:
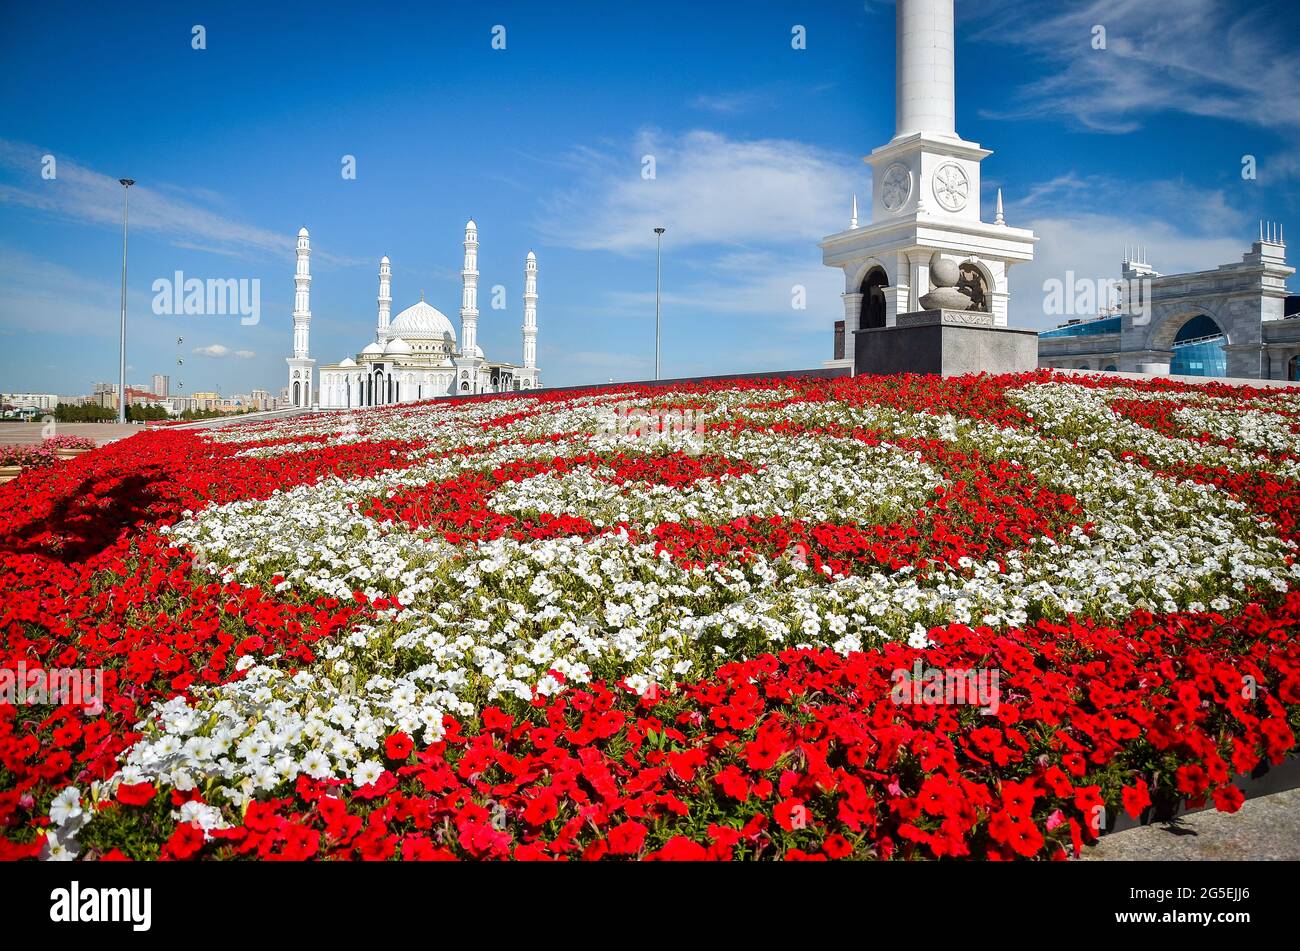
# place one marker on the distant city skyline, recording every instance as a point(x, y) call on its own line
point(756, 150)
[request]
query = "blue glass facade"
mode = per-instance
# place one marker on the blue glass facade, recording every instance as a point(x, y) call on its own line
point(1204, 358)
point(1107, 325)
point(1198, 349)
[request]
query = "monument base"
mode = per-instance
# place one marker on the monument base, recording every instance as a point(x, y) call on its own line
point(948, 342)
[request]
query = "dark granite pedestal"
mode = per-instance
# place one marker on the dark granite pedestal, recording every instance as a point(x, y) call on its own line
point(949, 342)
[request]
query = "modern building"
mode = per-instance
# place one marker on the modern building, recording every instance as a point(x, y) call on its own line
point(160, 384)
point(32, 400)
point(1236, 320)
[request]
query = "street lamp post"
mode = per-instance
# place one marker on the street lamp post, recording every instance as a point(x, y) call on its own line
point(659, 234)
point(126, 184)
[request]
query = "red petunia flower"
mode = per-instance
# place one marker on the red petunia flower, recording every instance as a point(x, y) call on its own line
point(1191, 780)
point(1136, 798)
point(138, 795)
point(626, 838)
point(680, 849)
point(791, 815)
point(1228, 798)
point(836, 846)
point(398, 746)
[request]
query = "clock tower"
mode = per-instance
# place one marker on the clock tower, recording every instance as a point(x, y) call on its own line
point(925, 207)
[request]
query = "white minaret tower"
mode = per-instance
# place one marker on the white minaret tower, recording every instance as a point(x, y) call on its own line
point(385, 299)
point(469, 294)
point(530, 312)
point(301, 364)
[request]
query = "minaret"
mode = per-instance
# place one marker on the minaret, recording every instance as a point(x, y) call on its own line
point(853, 216)
point(302, 296)
point(530, 311)
point(469, 294)
point(301, 364)
point(385, 299)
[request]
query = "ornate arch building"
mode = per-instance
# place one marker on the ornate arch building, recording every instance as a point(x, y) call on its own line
point(415, 355)
point(1236, 320)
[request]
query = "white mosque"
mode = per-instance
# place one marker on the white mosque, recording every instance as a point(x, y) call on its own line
point(415, 356)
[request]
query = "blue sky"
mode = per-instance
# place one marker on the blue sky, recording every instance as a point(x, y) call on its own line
point(757, 145)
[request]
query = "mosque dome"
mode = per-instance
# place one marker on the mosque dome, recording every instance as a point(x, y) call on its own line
point(397, 346)
point(372, 349)
point(422, 321)
point(347, 362)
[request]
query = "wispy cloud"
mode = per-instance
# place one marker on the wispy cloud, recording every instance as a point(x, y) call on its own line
point(39, 296)
point(708, 189)
point(1084, 223)
point(743, 218)
point(174, 213)
point(1199, 57)
point(786, 288)
point(732, 103)
point(220, 350)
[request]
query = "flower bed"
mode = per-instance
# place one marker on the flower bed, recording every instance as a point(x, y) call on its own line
point(882, 617)
point(67, 443)
point(45, 453)
point(28, 456)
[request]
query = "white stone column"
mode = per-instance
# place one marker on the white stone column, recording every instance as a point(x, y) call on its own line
point(924, 97)
point(918, 278)
point(530, 311)
point(469, 294)
point(302, 297)
point(385, 299)
point(852, 316)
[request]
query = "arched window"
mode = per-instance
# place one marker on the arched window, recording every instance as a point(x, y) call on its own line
point(1198, 348)
point(297, 393)
point(873, 299)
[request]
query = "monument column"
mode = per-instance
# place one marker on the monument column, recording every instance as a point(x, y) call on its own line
point(918, 267)
point(926, 224)
point(852, 316)
point(923, 98)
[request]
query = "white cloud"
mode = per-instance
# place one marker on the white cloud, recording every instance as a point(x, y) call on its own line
point(758, 284)
point(1200, 57)
point(220, 350)
point(708, 189)
point(1084, 223)
point(83, 195)
point(40, 296)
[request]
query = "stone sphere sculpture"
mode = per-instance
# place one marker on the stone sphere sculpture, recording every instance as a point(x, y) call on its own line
point(943, 272)
point(944, 296)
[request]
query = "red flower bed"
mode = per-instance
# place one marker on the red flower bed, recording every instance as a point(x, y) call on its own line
point(810, 755)
point(798, 755)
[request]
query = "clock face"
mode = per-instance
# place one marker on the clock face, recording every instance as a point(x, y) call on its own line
point(895, 187)
point(951, 187)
